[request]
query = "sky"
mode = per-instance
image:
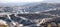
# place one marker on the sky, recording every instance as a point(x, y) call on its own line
point(18, 1)
point(22, 1)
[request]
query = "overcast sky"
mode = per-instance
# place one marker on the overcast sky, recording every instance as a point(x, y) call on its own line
point(20, 1)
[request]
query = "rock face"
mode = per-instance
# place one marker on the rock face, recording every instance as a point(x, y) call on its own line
point(28, 19)
point(2, 22)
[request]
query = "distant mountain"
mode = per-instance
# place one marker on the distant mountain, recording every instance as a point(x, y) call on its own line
point(42, 6)
point(52, 1)
point(32, 7)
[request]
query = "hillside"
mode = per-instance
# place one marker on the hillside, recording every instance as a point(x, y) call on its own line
point(47, 13)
